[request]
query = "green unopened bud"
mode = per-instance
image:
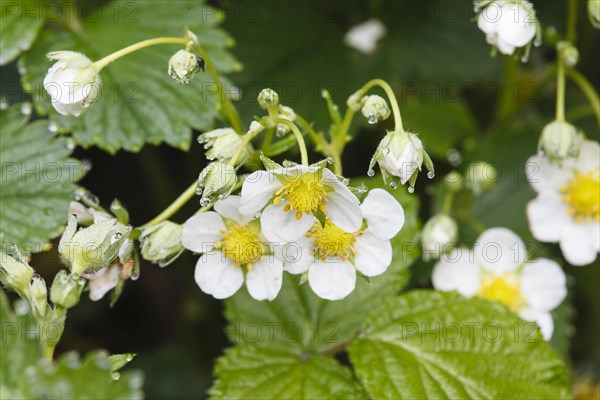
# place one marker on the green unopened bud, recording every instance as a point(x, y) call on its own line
point(66, 289)
point(481, 176)
point(400, 157)
point(38, 297)
point(15, 274)
point(559, 141)
point(439, 236)
point(183, 65)
point(375, 109)
point(594, 12)
point(161, 243)
point(222, 144)
point(454, 182)
point(268, 98)
point(88, 249)
point(216, 181)
point(356, 101)
point(191, 36)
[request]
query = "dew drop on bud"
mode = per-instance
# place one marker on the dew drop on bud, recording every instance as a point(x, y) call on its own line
point(371, 172)
point(134, 276)
point(346, 181)
point(372, 119)
point(430, 174)
point(198, 191)
point(411, 189)
point(115, 375)
point(220, 197)
point(386, 150)
point(329, 160)
point(205, 201)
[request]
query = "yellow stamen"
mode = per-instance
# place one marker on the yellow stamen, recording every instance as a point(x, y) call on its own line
point(504, 290)
point(582, 195)
point(241, 244)
point(305, 194)
point(331, 241)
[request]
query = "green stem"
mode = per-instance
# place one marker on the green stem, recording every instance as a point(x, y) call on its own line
point(245, 140)
point(268, 139)
point(230, 111)
point(48, 350)
point(571, 21)
point(175, 206)
point(103, 62)
point(587, 89)
point(299, 138)
point(560, 87)
point(447, 205)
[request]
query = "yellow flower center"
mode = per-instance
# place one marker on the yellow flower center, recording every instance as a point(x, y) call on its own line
point(582, 195)
point(331, 241)
point(305, 194)
point(504, 290)
point(241, 244)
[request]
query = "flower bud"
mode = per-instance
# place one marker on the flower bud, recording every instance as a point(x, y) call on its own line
point(81, 212)
point(559, 140)
point(216, 179)
point(15, 274)
point(161, 243)
point(89, 249)
point(66, 289)
point(356, 100)
point(481, 176)
point(287, 113)
point(183, 65)
point(222, 144)
point(73, 82)
point(594, 12)
point(268, 98)
point(439, 235)
point(38, 297)
point(401, 155)
point(375, 109)
point(454, 181)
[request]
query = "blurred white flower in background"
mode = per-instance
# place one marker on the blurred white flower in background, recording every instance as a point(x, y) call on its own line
point(567, 208)
point(364, 36)
point(507, 24)
point(497, 269)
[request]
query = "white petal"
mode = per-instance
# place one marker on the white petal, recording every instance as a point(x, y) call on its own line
point(579, 243)
point(342, 206)
point(103, 281)
point(281, 227)
point(547, 216)
point(514, 26)
point(297, 256)
point(504, 47)
point(257, 190)
point(265, 278)
point(333, 279)
point(75, 109)
point(589, 156)
point(202, 231)
point(383, 213)
point(543, 284)
point(543, 319)
point(499, 250)
point(373, 256)
point(542, 175)
point(488, 19)
point(217, 275)
point(229, 208)
point(364, 36)
point(457, 271)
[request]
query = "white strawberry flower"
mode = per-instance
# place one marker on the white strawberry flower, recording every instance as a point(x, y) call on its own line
point(364, 36)
point(73, 82)
point(507, 24)
point(497, 269)
point(567, 207)
point(232, 247)
point(331, 255)
point(292, 196)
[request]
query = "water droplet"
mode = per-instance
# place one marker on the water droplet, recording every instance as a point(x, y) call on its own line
point(393, 185)
point(258, 214)
point(281, 130)
point(371, 172)
point(287, 163)
point(92, 198)
point(70, 144)
point(537, 42)
point(26, 108)
point(386, 150)
point(71, 360)
point(21, 68)
point(454, 157)
point(362, 189)
point(329, 160)
point(205, 201)
point(372, 119)
point(115, 375)
point(3, 103)
point(21, 307)
point(135, 380)
point(129, 357)
point(53, 127)
point(524, 58)
point(135, 276)
point(411, 189)
point(430, 174)
point(346, 181)
point(199, 192)
point(162, 263)
point(115, 238)
point(220, 197)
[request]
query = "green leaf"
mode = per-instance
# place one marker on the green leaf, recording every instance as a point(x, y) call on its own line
point(274, 372)
point(139, 103)
point(21, 23)
point(441, 345)
point(298, 318)
point(37, 180)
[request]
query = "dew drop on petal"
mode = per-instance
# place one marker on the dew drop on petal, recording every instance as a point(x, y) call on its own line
point(371, 172)
point(386, 150)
